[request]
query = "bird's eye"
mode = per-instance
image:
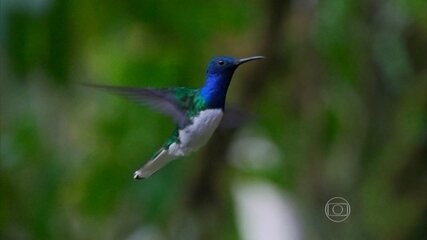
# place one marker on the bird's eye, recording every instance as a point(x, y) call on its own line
point(220, 62)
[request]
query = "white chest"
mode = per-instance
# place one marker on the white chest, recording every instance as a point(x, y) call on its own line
point(197, 134)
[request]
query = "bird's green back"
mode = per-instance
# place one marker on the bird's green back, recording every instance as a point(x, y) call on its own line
point(190, 100)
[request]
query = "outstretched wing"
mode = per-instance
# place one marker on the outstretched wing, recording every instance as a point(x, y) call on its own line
point(173, 102)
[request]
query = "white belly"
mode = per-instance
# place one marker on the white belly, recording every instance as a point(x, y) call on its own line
point(198, 133)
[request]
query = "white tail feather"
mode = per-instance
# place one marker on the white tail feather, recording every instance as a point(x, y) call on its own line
point(154, 165)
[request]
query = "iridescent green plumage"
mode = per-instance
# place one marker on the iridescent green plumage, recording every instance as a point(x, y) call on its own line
point(193, 102)
point(190, 99)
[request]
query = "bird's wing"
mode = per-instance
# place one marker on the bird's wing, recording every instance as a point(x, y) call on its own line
point(173, 102)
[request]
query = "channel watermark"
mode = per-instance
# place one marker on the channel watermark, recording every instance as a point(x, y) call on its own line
point(337, 209)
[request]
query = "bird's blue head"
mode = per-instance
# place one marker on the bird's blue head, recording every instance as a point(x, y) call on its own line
point(222, 65)
point(218, 78)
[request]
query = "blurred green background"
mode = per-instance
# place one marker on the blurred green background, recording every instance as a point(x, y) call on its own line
point(340, 108)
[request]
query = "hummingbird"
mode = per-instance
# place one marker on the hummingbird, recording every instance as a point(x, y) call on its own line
point(196, 112)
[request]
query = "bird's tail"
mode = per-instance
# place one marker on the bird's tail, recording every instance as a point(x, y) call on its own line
point(159, 160)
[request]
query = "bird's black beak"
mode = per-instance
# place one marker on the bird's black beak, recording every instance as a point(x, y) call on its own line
point(245, 60)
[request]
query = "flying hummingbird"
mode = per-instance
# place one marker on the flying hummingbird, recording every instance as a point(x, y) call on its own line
point(196, 112)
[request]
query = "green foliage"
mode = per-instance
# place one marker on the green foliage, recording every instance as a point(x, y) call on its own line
point(340, 101)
